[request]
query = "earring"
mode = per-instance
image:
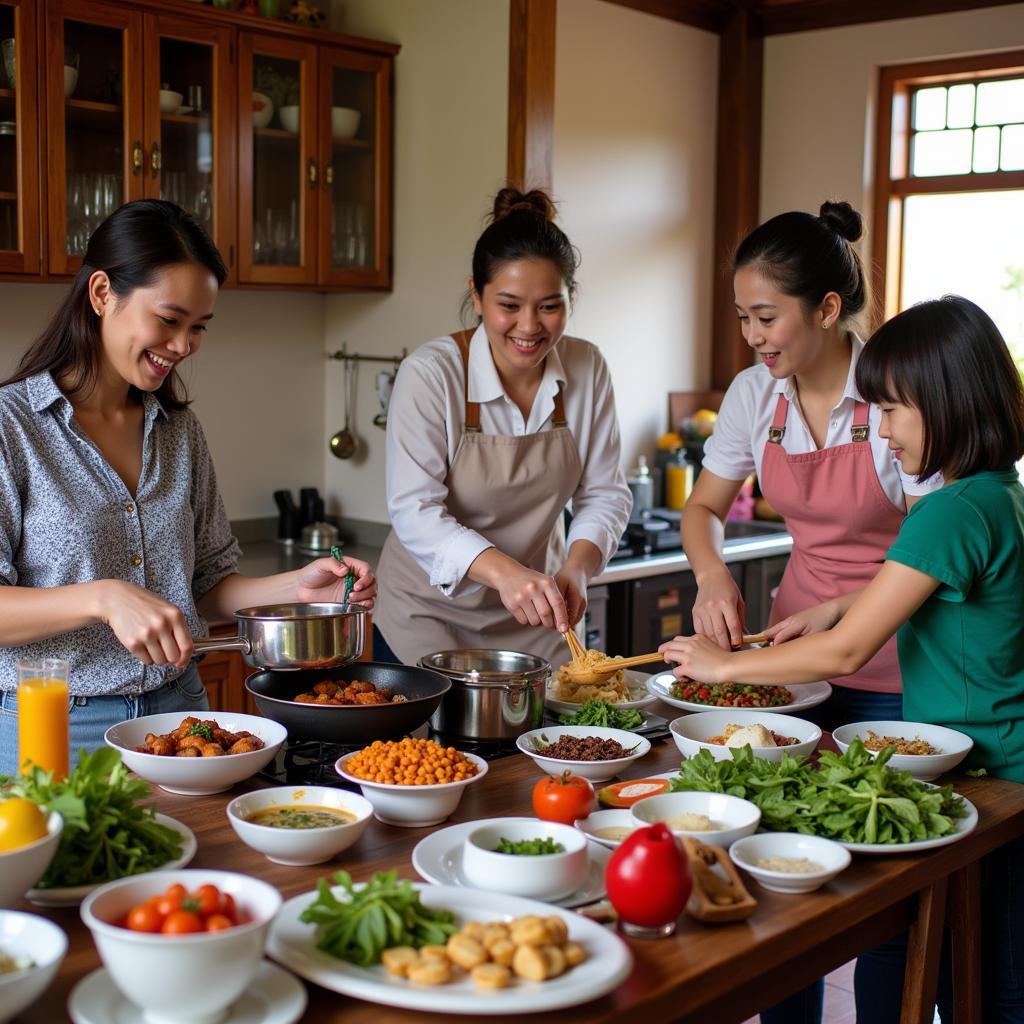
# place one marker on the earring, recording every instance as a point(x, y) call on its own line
point(825, 325)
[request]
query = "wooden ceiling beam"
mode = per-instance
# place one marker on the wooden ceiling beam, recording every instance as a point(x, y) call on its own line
point(777, 16)
point(531, 93)
point(712, 15)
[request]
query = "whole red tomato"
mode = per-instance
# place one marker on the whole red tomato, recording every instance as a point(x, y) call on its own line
point(648, 878)
point(563, 798)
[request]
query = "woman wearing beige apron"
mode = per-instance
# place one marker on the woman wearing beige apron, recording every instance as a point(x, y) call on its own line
point(491, 434)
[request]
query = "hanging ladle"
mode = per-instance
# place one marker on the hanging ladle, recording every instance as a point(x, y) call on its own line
point(344, 443)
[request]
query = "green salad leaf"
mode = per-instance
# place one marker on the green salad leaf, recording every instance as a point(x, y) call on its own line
point(107, 832)
point(528, 847)
point(599, 712)
point(383, 913)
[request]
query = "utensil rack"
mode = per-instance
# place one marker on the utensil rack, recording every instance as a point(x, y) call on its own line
point(344, 355)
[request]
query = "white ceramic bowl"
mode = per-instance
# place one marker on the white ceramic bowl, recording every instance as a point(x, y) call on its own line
point(596, 771)
point(262, 110)
point(737, 817)
point(195, 776)
point(691, 732)
point(955, 746)
point(181, 977)
point(298, 846)
point(20, 869)
point(70, 81)
point(34, 938)
point(290, 119)
point(832, 857)
point(617, 817)
point(413, 806)
point(170, 101)
point(344, 122)
point(548, 876)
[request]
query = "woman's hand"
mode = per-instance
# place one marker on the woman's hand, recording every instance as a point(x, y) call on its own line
point(571, 581)
point(154, 630)
point(718, 610)
point(532, 598)
point(697, 658)
point(324, 580)
point(811, 620)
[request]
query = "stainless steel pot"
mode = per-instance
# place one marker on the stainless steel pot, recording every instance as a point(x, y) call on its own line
point(495, 695)
point(295, 636)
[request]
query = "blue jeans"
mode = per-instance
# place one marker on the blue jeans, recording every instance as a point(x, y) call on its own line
point(381, 651)
point(91, 717)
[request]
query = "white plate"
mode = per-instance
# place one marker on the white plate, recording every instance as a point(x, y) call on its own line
point(808, 695)
point(73, 895)
point(964, 827)
point(273, 997)
point(608, 962)
point(635, 682)
point(438, 858)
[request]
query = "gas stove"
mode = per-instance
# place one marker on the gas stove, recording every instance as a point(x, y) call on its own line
point(656, 530)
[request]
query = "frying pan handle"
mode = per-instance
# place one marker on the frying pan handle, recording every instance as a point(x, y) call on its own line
point(226, 643)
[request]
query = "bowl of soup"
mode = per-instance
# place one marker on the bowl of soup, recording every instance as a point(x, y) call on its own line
point(299, 825)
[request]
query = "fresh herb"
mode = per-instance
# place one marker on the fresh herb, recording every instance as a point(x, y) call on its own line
point(528, 847)
point(201, 729)
point(107, 833)
point(855, 798)
point(599, 712)
point(383, 913)
point(976, 773)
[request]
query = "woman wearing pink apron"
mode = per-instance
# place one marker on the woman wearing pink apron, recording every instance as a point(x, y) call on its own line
point(492, 433)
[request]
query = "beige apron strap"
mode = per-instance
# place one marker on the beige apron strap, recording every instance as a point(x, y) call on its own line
point(462, 339)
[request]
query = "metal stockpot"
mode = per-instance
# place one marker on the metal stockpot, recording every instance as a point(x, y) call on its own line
point(295, 636)
point(495, 695)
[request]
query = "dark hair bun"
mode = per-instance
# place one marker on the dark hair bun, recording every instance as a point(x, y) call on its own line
point(510, 200)
point(843, 219)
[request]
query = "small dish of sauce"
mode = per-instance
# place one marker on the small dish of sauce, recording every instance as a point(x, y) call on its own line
point(301, 816)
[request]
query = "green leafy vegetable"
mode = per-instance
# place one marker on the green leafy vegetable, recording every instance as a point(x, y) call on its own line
point(599, 712)
point(383, 913)
point(529, 847)
point(855, 798)
point(976, 773)
point(107, 833)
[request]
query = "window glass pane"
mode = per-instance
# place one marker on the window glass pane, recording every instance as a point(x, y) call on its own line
point(1001, 102)
point(986, 150)
point(1012, 158)
point(929, 109)
point(941, 153)
point(960, 107)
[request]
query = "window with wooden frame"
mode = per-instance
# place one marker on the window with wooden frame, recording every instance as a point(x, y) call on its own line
point(949, 186)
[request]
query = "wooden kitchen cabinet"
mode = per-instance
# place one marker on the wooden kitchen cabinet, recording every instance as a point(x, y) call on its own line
point(223, 674)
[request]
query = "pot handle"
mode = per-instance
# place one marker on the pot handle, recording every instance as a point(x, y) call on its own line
point(225, 643)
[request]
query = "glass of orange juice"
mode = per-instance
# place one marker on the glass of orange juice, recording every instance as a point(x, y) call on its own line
point(43, 732)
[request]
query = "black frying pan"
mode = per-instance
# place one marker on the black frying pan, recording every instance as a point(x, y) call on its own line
point(423, 688)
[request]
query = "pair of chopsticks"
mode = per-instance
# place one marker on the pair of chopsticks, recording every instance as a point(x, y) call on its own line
point(576, 649)
point(350, 578)
point(610, 664)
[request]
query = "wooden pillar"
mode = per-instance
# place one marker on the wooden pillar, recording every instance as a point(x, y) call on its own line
point(738, 179)
point(531, 92)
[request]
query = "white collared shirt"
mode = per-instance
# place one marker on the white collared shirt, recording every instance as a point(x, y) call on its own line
point(426, 420)
point(736, 447)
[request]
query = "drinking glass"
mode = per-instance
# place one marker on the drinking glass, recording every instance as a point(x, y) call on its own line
point(44, 736)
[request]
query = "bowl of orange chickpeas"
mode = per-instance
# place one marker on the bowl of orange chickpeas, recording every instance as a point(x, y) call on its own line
point(411, 782)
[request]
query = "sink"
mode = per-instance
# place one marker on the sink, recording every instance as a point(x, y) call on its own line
point(744, 529)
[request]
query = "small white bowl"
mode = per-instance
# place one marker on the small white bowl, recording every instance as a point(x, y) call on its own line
point(344, 122)
point(412, 806)
point(262, 110)
point(548, 876)
point(955, 746)
point(299, 846)
point(27, 936)
point(290, 119)
point(595, 771)
point(832, 857)
point(618, 817)
point(737, 817)
point(181, 978)
point(170, 101)
point(691, 732)
point(20, 869)
point(195, 776)
point(70, 81)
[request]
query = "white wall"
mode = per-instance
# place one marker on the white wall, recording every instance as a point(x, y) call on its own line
point(451, 112)
point(634, 156)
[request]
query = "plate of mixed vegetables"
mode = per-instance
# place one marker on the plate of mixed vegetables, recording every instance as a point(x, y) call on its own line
point(691, 695)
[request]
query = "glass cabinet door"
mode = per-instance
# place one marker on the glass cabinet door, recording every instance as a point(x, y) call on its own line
point(189, 116)
point(93, 66)
point(355, 136)
point(19, 191)
point(277, 171)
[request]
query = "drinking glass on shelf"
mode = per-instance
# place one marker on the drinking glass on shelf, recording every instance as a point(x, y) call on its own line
point(359, 234)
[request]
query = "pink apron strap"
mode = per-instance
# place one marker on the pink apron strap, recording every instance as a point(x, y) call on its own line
point(859, 430)
point(778, 427)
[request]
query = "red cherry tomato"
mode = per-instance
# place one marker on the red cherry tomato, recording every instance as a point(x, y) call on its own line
point(209, 899)
point(228, 908)
point(648, 878)
point(218, 922)
point(563, 798)
point(144, 918)
point(171, 900)
point(182, 922)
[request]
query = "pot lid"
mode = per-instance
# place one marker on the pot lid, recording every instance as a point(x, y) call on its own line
point(483, 666)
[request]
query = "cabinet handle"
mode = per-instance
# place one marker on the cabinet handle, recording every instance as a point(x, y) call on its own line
point(138, 158)
point(328, 175)
point(154, 160)
point(312, 173)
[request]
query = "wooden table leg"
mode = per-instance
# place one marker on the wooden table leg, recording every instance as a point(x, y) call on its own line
point(964, 911)
point(924, 950)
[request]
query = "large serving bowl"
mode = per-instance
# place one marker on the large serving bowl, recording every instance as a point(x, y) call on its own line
point(955, 746)
point(28, 937)
point(20, 869)
point(692, 731)
point(195, 776)
point(548, 876)
point(831, 856)
point(596, 771)
point(734, 817)
point(181, 978)
point(299, 846)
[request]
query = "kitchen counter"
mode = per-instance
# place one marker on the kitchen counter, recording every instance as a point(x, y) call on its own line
point(266, 558)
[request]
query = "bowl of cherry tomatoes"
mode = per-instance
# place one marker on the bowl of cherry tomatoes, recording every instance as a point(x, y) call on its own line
point(182, 944)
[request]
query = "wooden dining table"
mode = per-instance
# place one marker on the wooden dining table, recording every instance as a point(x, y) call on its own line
point(718, 973)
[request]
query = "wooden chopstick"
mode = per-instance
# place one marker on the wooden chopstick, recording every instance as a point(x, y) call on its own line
point(611, 664)
point(575, 647)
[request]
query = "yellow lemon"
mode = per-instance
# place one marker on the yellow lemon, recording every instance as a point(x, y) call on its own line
point(703, 422)
point(21, 822)
point(669, 442)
